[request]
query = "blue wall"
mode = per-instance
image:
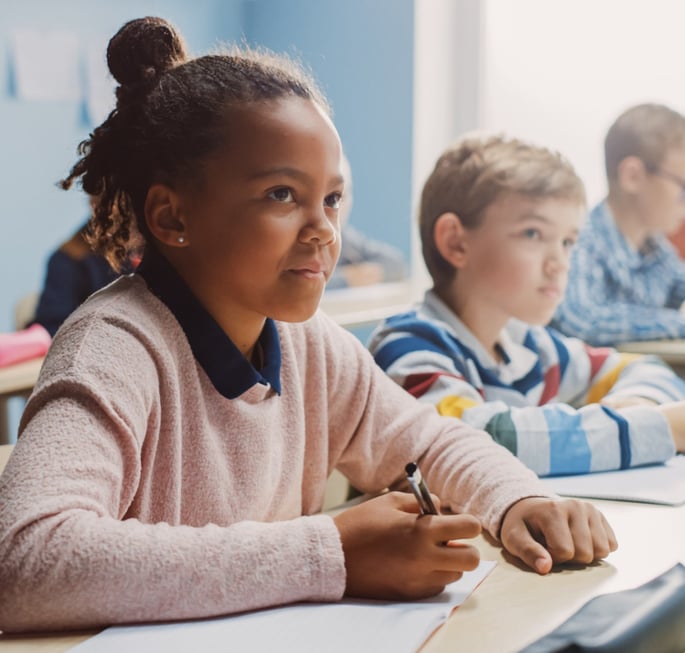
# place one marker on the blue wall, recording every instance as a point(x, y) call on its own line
point(38, 140)
point(361, 52)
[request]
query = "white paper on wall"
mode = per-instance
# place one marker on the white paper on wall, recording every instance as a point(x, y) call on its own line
point(46, 64)
point(100, 84)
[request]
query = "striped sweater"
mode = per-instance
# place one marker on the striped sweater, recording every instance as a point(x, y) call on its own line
point(541, 401)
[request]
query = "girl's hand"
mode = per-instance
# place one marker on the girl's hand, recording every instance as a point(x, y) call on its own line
point(392, 552)
point(543, 532)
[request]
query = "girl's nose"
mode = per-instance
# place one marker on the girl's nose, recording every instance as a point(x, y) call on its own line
point(320, 229)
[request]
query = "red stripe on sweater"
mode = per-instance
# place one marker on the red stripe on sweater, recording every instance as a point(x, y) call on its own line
point(597, 356)
point(419, 384)
point(552, 381)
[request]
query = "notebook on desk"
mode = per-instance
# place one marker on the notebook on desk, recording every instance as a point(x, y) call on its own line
point(661, 484)
point(360, 626)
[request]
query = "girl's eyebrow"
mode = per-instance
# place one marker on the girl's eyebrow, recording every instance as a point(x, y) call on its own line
point(295, 173)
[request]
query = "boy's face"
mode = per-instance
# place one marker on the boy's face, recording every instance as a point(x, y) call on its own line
point(262, 228)
point(662, 200)
point(517, 258)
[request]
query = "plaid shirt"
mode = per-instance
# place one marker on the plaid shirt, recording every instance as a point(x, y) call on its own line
point(617, 294)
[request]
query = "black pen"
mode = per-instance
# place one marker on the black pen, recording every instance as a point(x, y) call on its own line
point(418, 487)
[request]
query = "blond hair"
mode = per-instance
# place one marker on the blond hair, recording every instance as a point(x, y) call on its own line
point(471, 174)
point(647, 131)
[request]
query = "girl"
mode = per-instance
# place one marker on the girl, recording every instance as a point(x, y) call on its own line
point(175, 451)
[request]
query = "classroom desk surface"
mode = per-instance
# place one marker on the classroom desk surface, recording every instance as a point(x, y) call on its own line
point(671, 351)
point(513, 607)
point(368, 305)
point(19, 377)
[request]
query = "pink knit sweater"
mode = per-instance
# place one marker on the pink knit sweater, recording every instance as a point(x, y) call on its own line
point(137, 492)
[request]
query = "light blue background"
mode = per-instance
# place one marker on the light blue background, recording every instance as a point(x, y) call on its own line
point(361, 52)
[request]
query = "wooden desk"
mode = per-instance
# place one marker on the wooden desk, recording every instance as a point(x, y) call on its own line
point(15, 381)
point(5, 451)
point(367, 305)
point(670, 351)
point(513, 607)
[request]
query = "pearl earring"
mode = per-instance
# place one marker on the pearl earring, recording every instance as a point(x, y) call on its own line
point(181, 240)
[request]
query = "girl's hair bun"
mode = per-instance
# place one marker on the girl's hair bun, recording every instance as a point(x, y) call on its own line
point(142, 50)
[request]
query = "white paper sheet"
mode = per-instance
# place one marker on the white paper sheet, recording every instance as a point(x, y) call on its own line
point(359, 626)
point(664, 484)
point(100, 84)
point(46, 64)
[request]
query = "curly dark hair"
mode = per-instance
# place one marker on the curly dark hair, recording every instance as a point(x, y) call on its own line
point(169, 118)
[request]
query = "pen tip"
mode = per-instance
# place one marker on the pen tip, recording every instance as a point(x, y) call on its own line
point(410, 468)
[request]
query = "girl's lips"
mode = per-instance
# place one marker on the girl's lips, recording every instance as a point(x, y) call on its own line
point(310, 271)
point(313, 267)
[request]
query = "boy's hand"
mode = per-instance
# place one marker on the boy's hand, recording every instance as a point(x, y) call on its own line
point(674, 413)
point(391, 552)
point(617, 403)
point(543, 532)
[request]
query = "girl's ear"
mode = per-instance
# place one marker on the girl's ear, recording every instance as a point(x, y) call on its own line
point(631, 174)
point(164, 216)
point(450, 239)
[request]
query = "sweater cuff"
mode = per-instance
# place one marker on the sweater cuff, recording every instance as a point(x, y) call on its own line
point(328, 559)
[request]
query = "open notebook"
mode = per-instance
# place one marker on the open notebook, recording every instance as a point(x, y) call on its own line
point(360, 626)
point(664, 484)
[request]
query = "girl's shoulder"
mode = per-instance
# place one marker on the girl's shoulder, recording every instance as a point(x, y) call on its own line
point(122, 324)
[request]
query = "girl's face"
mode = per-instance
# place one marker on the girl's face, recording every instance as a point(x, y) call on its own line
point(517, 264)
point(262, 232)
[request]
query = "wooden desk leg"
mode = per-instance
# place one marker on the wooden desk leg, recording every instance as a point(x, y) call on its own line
point(4, 421)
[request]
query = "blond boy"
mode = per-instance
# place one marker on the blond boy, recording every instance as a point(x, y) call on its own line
point(498, 220)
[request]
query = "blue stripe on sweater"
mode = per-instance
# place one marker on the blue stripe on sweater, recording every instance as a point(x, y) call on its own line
point(562, 351)
point(388, 353)
point(569, 450)
point(623, 436)
point(417, 335)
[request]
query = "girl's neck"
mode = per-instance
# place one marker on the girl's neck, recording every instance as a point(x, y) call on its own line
point(243, 327)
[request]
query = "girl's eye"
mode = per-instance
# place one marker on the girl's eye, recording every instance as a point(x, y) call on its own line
point(332, 201)
point(569, 243)
point(281, 194)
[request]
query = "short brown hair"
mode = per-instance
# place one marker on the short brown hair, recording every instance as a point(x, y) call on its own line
point(647, 131)
point(471, 174)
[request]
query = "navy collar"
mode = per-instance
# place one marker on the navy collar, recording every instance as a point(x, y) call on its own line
point(228, 370)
